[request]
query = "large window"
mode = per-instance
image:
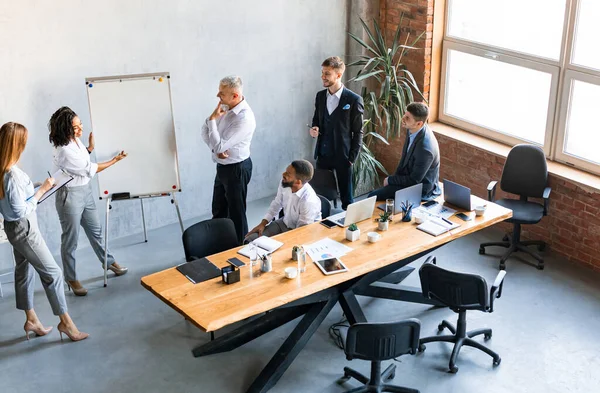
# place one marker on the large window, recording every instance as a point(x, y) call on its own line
point(526, 71)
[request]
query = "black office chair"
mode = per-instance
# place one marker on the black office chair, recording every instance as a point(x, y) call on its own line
point(525, 173)
point(377, 342)
point(325, 207)
point(460, 292)
point(324, 183)
point(209, 237)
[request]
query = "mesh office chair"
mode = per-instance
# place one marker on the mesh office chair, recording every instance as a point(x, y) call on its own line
point(377, 342)
point(525, 173)
point(460, 292)
point(324, 183)
point(209, 237)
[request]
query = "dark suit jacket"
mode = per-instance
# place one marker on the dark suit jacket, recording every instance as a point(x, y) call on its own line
point(420, 164)
point(347, 124)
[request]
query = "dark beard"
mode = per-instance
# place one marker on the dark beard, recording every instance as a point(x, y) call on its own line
point(288, 184)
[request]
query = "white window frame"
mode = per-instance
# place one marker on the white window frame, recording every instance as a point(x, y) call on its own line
point(562, 71)
point(504, 58)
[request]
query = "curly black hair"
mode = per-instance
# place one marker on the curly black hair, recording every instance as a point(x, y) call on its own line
point(61, 126)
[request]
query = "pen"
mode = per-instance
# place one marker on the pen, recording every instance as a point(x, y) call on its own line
point(49, 175)
point(448, 221)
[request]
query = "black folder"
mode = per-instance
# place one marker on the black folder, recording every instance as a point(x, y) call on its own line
point(199, 270)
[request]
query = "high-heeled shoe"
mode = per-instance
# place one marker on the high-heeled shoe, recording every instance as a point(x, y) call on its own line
point(30, 327)
point(73, 336)
point(117, 269)
point(77, 288)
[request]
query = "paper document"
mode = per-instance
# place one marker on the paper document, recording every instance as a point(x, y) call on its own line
point(61, 179)
point(263, 245)
point(325, 249)
point(437, 210)
point(436, 226)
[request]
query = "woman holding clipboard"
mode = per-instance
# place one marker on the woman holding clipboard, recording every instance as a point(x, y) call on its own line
point(18, 202)
point(75, 203)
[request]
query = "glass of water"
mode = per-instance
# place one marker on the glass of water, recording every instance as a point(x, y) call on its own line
point(253, 251)
point(389, 206)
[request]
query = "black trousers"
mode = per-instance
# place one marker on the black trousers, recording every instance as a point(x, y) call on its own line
point(229, 194)
point(343, 172)
point(387, 192)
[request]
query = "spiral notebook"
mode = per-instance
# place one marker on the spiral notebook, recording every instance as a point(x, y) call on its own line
point(264, 245)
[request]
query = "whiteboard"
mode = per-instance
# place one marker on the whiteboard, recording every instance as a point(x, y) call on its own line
point(134, 113)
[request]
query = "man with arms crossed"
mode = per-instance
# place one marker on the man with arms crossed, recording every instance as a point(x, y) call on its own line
point(420, 162)
point(228, 132)
point(337, 125)
point(300, 204)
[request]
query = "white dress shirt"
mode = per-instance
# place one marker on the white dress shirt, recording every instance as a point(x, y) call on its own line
point(333, 100)
point(74, 160)
point(18, 198)
point(233, 131)
point(300, 208)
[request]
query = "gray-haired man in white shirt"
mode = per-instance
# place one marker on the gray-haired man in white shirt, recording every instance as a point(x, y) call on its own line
point(228, 132)
point(300, 204)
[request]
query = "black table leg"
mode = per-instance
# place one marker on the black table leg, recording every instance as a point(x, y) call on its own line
point(292, 346)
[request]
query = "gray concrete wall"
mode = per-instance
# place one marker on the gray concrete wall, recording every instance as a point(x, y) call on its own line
point(277, 46)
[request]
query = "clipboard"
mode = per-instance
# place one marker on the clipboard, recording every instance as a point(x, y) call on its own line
point(61, 178)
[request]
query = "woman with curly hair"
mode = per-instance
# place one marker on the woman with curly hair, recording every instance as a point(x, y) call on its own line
point(18, 202)
point(75, 203)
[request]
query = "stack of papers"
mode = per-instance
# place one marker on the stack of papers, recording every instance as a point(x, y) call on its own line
point(263, 245)
point(436, 226)
point(325, 249)
point(437, 210)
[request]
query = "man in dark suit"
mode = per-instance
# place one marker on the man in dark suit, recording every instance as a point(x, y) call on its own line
point(337, 125)
point(420, 161)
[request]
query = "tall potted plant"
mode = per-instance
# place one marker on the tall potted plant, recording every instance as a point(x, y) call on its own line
point(385, 105)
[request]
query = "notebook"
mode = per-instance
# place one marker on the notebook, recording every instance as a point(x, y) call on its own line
point(436, 226)
point(264, 245)
point(199, 270)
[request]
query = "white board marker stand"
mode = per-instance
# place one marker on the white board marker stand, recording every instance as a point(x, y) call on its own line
point(134, 113)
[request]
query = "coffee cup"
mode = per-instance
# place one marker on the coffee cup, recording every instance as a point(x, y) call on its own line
point(479, 210)
point(290, 272)
point(373, 237)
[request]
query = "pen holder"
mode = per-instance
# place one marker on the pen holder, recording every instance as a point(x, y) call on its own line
point(230, 274)
point(406, 211)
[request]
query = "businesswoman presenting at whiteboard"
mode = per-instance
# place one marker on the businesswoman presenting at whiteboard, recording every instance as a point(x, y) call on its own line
point(74, 202)
point(18, 201)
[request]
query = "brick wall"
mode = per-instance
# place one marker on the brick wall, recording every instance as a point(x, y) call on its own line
point(572, 227)
point(418, 19)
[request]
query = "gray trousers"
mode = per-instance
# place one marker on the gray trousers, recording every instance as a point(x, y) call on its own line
point(31, 252)
point(75, 207)
point(274, 228)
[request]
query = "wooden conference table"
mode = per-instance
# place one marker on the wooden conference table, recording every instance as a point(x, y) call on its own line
point(373, 270)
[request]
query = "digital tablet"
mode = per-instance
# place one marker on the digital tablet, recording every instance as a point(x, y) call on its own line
point(331, 266)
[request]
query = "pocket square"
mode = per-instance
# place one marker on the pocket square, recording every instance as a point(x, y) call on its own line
point(346, 107)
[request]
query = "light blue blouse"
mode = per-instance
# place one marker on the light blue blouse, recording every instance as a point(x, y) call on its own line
point(18, 198)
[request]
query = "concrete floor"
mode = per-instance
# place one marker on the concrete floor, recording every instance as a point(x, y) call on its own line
point(545, 328)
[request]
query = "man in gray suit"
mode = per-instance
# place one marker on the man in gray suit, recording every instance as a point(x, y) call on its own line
point(420, 161)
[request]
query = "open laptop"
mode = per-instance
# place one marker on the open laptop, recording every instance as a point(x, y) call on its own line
point(411, 194)
point(356, 212)
point(457, 195)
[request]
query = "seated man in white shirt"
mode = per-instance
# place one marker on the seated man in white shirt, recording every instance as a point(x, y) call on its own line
point(300, 204)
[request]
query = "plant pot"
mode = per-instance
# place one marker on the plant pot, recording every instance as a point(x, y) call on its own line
point(383, 225)
point(352, 235)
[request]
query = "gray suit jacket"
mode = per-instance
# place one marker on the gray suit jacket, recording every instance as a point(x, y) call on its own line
point(420, 164)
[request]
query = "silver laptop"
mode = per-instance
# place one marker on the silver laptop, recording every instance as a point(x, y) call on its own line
point(411, 194)
point(457, 195)
point(356, 212)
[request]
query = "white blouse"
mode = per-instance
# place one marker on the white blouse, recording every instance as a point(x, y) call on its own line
point(74, 159)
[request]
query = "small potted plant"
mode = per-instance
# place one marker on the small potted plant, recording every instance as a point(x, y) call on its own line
point(295, 251)
point(406, 207)
point(352, 233)
point(383, 221)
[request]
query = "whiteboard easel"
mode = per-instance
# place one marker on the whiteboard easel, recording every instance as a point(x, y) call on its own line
point(134, 113)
